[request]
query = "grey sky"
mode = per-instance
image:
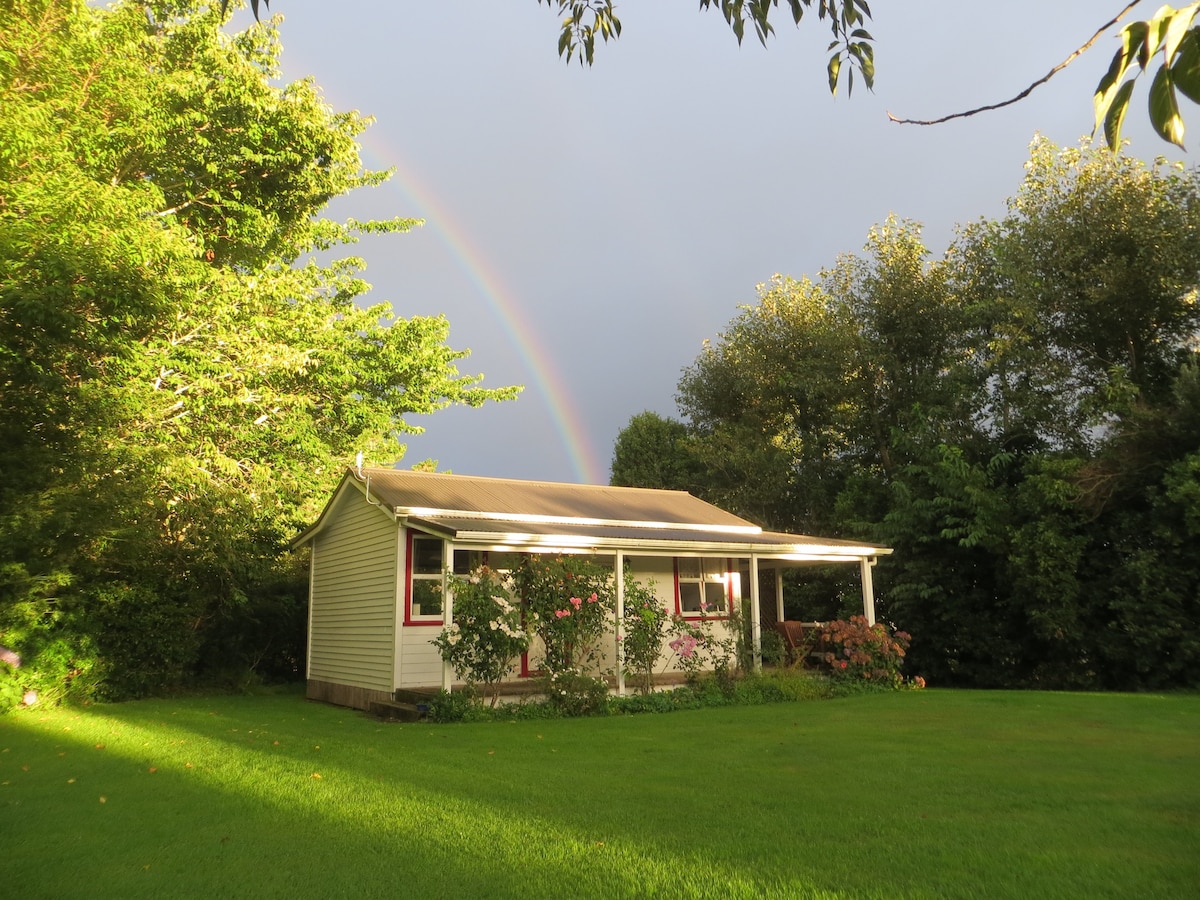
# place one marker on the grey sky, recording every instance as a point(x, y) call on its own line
point(587, 229)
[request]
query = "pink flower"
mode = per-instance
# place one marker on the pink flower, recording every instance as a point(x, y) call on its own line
point(576, 602)
point(684, 645)
point(561, 613)
point(593, 598)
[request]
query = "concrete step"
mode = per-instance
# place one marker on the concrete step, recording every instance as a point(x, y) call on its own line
point(418, 698)
point(395, 711)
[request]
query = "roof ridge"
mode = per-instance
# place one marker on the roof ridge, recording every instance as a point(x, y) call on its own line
point(523, 481)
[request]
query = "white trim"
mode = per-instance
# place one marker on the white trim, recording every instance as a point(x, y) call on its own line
point(620, 623)
point(868, 590)
point(447, 608)
point(401, 608)
point(755, 615)
point(516, 542)
point(778, 594)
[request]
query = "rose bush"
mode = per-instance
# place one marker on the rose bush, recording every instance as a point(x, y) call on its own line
point(488, 633)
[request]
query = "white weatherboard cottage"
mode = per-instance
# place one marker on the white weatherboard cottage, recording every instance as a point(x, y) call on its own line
point(382, 547)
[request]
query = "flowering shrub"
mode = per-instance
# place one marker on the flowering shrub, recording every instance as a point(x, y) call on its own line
point(487, 635)
point(568, 601)
point(697, 647)
point(854, 649)
point(642, 633)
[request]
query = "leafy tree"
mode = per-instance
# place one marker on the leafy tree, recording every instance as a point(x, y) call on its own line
point(807, 388)
point(652, 451)
point(179, 387)
point(1019, 419)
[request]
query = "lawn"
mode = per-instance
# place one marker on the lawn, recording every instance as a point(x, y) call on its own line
point(917, 794)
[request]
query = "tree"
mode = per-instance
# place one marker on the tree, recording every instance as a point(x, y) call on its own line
point(178, 386)
point(808, 386)
point(1087, 280)
point(652, 451)
point(1019, 419)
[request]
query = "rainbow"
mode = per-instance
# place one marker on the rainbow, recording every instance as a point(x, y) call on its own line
point(514, 321)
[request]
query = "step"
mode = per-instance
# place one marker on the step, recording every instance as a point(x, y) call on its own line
point(395, 711)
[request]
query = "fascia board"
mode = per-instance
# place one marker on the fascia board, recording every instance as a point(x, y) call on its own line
point(515, 541)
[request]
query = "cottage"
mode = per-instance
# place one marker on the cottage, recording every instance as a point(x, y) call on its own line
point(382, 546)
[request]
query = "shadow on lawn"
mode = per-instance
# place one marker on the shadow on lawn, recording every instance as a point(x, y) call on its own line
point(249, 817)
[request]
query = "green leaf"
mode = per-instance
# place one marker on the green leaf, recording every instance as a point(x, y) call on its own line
point(1176, 30)
point(1133, 43)
point(1115, 117)
point(834, 68)
point(1108, 87)
point(1185, 72)
point(1164, 108)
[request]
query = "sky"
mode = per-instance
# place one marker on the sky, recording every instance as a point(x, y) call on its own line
point(586, 229)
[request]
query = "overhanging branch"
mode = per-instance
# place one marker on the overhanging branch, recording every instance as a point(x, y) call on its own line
point(1029, 90)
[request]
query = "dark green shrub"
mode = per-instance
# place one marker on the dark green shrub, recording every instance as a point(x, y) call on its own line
point(575, 694)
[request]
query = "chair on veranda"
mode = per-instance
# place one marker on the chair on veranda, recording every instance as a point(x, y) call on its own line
point(799, 639)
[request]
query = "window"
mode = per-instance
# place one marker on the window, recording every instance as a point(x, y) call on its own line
point(702, 586)
point(466, 561)
point(426, 562)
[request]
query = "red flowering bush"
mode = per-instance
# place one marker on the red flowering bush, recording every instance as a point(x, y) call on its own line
point(854, 649)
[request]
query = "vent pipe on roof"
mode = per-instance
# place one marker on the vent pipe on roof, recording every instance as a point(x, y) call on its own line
point(358, 463)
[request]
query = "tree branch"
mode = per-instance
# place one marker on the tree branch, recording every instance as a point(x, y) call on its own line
point(1029, 90)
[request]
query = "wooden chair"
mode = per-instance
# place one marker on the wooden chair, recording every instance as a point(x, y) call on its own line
point(799, 639)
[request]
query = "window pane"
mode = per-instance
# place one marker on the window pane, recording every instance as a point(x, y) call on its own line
point(689, 568)
point(427, 597)
point(467, 561)
point(714, 595)
point(689, 596)
point(503, 562)
point(427, 556)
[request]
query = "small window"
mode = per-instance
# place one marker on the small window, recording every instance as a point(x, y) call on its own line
point(467, 561)
point(703, 586)
point(426, 577)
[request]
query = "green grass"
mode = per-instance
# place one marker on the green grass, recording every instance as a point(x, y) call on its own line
point(920, 794)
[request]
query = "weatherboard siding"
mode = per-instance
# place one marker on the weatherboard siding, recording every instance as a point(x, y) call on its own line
point(353, 615)
point(421, 664)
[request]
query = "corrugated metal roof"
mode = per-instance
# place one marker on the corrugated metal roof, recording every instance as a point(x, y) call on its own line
point(407, 492)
